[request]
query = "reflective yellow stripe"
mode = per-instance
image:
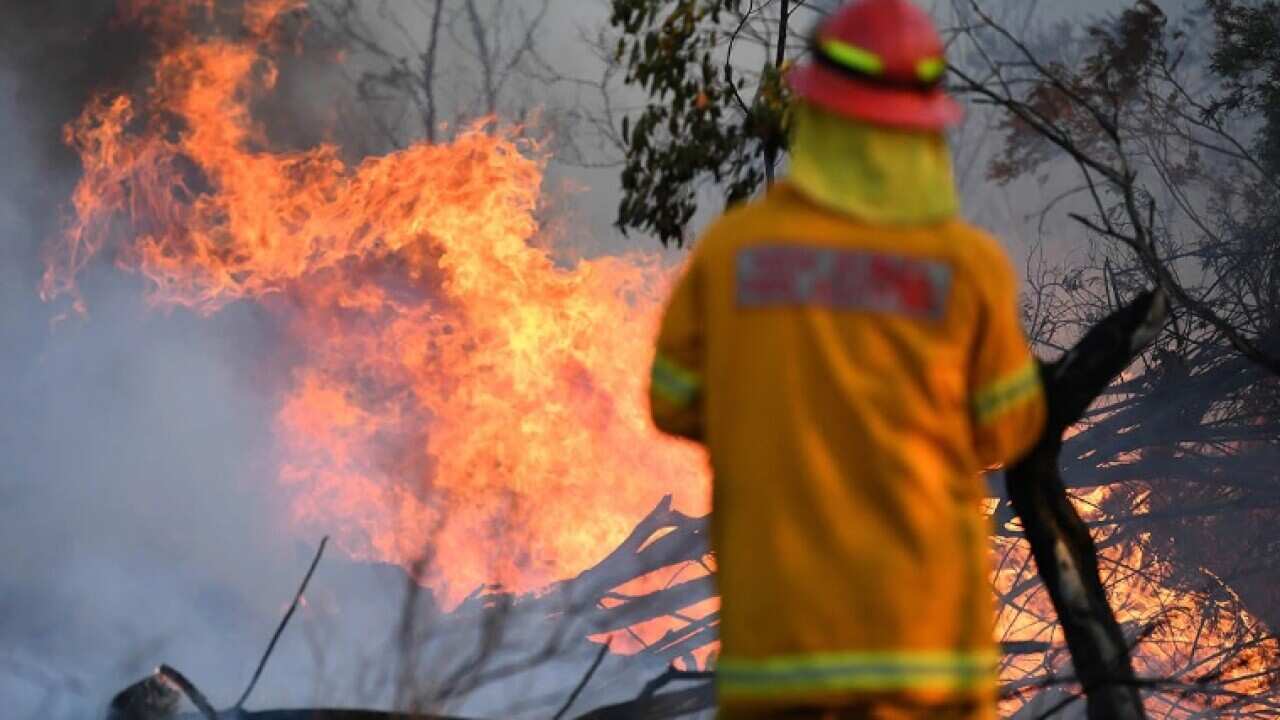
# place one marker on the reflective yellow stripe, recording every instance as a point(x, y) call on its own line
point(674, 383)
point(1004, 393)
point(930, 69)
point(834, 672)
point(853, 57)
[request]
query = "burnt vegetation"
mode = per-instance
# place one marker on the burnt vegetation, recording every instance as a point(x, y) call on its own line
point(1161, 133)
point(1155, 139)
point(1150, 507)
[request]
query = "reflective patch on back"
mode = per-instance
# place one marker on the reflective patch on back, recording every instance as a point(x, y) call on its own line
point(805, 276)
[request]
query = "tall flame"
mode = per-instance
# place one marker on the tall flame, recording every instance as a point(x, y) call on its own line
point(460, 394)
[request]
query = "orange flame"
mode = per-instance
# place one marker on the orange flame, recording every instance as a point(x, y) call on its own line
point(459, 390)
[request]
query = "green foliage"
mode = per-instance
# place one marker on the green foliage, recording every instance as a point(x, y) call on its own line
point(1247, 57)
point(1127, 51)
point(696, 128)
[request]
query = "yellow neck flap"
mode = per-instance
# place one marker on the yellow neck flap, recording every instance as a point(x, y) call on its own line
point(880, 175)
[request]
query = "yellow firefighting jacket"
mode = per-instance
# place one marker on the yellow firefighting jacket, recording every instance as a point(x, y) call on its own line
point(850, 382)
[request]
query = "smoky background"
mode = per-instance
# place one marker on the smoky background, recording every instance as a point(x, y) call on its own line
point(139, 508)
point(140, 517)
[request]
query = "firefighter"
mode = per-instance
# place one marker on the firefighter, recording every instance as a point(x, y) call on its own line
point(848, 349)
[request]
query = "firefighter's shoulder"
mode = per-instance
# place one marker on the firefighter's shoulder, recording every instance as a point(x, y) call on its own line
point(738, 221)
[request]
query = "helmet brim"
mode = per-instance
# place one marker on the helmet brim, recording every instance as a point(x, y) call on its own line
point(907, 109)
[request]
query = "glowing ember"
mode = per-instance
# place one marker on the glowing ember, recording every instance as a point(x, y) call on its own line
point(459, 394)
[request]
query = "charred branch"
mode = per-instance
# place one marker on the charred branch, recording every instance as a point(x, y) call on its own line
point(1060, 541)
point(651, 704)
point(152, 698)
point(189, 689)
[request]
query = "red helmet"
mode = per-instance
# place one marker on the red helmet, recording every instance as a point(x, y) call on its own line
point(879, 61)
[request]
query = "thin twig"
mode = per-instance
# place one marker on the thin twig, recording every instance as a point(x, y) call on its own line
point(582, 684)
point(283, 622)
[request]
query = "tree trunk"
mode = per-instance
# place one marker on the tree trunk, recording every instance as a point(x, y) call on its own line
point(1064, 551)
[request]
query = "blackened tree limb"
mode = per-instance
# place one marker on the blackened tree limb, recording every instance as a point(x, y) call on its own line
point(189, 689)
point(154, 697)
point(659, 603)
point(652, 705)
point(1059, 539)
point(642, 552)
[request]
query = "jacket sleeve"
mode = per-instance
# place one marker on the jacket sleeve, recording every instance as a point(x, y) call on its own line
point(1005, 393)
point(675, 381)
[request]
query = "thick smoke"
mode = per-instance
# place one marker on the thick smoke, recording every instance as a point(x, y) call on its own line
point(138, 496)
point(138, 506)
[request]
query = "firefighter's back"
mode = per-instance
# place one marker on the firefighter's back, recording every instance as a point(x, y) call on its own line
point(840, 430)
point(850, 352)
